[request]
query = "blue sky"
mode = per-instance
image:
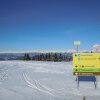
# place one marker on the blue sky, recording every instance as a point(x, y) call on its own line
point(49, 24)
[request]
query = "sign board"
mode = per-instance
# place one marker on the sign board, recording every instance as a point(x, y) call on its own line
point(86, 64)
point(77, 43)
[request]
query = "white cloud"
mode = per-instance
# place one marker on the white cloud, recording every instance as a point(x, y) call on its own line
point(96, 46)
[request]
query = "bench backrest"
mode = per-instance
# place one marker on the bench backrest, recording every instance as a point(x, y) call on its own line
point(87, 78)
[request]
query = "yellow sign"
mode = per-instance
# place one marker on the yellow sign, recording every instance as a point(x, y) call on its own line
point(86, 63)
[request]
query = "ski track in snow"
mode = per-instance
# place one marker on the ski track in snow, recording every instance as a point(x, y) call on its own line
point(35, 84)
point(32, 85)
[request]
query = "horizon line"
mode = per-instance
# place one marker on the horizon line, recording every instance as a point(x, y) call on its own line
point(42, 51)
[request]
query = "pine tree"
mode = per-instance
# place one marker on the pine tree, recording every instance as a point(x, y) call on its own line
point(60, 57)
point(55, 57)
point(26, 57)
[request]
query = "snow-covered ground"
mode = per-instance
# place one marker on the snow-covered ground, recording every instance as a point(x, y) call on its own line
point(31, 80)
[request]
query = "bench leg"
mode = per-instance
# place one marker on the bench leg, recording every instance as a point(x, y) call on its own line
point(77, 83)
point(95, 83)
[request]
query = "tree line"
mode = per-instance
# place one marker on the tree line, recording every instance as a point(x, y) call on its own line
point(48, 57)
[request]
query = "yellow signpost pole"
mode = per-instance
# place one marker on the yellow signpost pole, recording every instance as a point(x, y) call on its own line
point(77, 44)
